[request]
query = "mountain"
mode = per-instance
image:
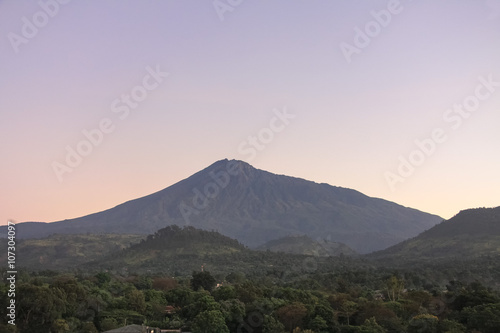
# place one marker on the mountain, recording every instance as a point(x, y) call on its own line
point(253, 206)
point(469, 234)
point(305, 245)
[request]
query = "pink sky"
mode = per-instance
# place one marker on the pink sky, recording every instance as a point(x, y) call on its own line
point(354, 115)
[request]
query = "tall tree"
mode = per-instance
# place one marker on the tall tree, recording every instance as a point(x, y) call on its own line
point(395, 287)
point(203, 280)
point(211, 321)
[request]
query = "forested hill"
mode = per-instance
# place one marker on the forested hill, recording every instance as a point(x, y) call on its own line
point(65, 252)
point(177, 251)
point(173, 250)
point(188, 240)
point(473, 222)
point(470, 233)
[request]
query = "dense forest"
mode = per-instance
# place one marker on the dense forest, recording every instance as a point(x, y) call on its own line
point(201, 281)
point(340, 302)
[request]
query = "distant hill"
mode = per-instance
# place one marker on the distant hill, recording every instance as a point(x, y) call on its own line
point(173, 250)
point(174, 240)
point(253, 206)
point(471, 233)
point(305, 245)
point(180, 251)
point(62, 251)
point(173, 246)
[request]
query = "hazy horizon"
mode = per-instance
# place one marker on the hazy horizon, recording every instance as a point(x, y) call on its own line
point(105, 102)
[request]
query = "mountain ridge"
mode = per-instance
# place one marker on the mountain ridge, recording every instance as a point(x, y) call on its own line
point(253, 206)
point(470, 233)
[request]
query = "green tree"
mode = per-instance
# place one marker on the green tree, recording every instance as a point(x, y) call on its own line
point(180, 297)
point(136, 301)
point(347, 309)
point(485, 318)
point(224, 293)
point(98, 299)
point(108, 324)
point(73, 323)
point(318, 324)
point(203, 302)
point(248, 292)
point(75, 295)
point(38, 307)
point(449, 326)
point(325, 311)
point(103, 278)
point(420, 297)
point(338, 299)
point(143, 282)
point(378, 310)
point(203, 280)
point(60, 326)
point(233, 311)
point(395, 287)
point(472, 295)
point(155, 304)
point(423, 323)
point(211, 321)
point(371, 326)
point(272, 325)
point(88, 327)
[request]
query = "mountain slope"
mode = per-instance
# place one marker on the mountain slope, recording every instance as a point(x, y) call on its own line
point(254, 206)
point(470, 233)
point(171, 243)
point(179, 251)
point(62, 251)
point(305, 245)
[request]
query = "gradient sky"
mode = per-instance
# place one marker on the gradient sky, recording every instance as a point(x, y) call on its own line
point(229, 72)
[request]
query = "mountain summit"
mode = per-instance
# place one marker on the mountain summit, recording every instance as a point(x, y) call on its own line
point(254, 206)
